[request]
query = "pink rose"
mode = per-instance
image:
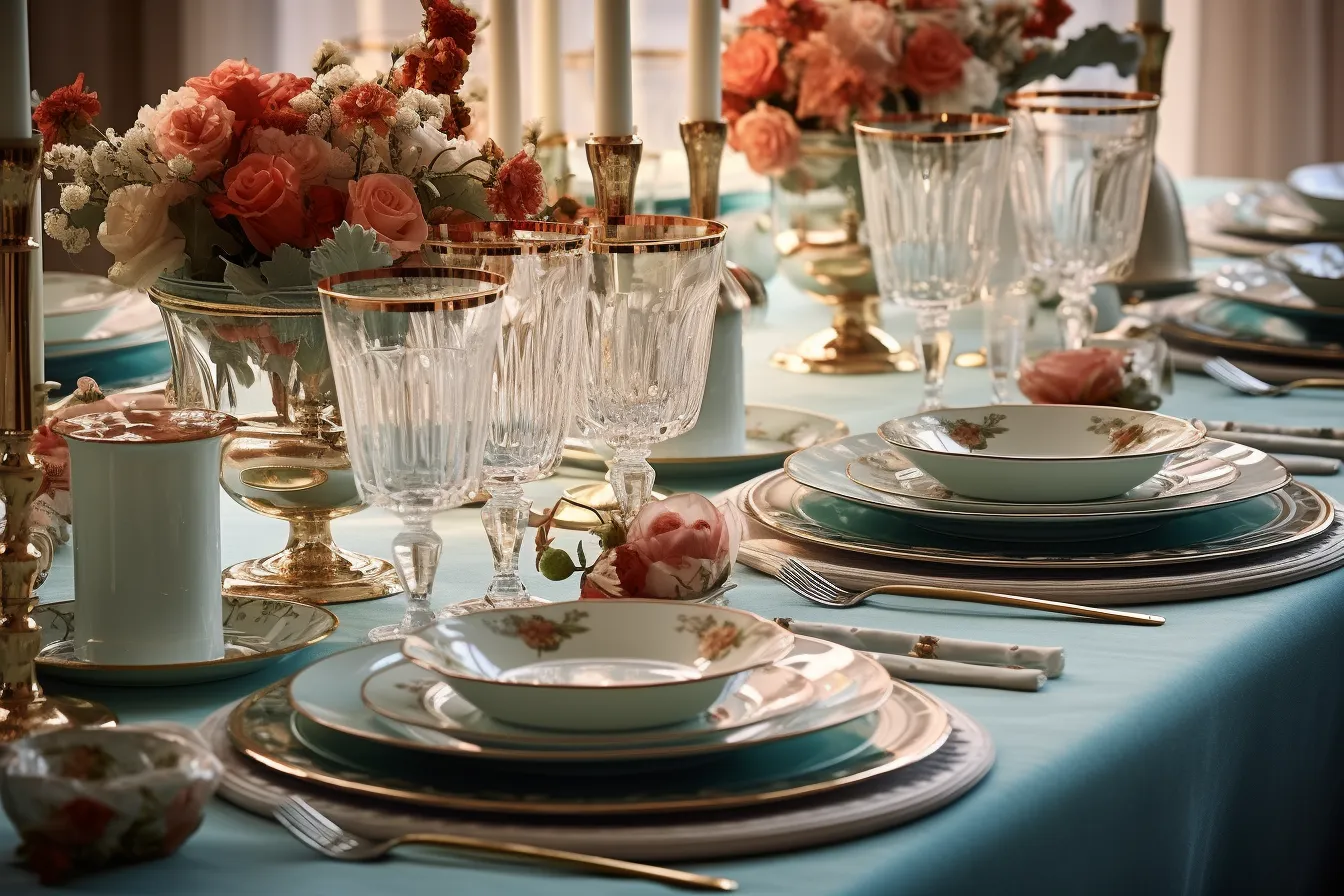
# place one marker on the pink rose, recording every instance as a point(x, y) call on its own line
point(202, 132)
point(934, 56)
point(751, 66)
point(262, 192)
point(238, 85)
point(869, 36)
point(831, 86)
point(387, 205)
point(309, 155)
point(1078, 376)
point(679, 548)
point(769, 138)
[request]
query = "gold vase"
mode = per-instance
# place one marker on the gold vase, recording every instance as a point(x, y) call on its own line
point(816, 210)
point(264, 360)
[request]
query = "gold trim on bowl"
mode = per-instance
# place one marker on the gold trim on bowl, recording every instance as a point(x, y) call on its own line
point(173, 302)
point(981, 126)
point(1140, 101)
point(327, 287)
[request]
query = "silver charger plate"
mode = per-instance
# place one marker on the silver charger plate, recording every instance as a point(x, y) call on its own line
point(1291, 514)
point(824, 468)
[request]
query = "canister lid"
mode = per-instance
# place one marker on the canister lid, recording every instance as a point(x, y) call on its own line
point(147, 425)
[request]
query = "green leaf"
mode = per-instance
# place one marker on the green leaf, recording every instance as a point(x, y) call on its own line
point(466, 194)
point(248, 281)
point(206, 239)
point(1095, 46)
point(287, 267)
point(350, 248)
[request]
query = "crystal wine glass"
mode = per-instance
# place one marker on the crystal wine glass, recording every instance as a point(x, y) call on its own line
point(414, 350)
point(545, 267)
point(650, 323)
point(1080, 167)
point(933, 189)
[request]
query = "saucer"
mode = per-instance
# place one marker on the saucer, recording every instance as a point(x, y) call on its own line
point(73, 305)
point(773, 433)
point(1252, 283)
point(258, 632)
point(846, 685)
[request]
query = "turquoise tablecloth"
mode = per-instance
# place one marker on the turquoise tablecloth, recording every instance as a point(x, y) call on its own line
point(1200, 757)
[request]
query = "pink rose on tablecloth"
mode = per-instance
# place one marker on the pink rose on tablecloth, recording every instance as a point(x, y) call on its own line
point(934, 56)
point(202, 132)
point(239, 85)
point(751, 65)
point(868, 35)
point(262, 192)
point(387, 205)
point(679, 548)
point(830, 86)
point(769, 138)
point(1079, 376)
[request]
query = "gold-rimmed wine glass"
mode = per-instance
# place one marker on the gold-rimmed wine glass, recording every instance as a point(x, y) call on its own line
point(1081, 162)
point(933, 190)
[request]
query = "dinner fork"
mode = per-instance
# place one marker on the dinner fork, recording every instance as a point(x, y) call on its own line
point(314, 829)
point(806, 582)
point(1232, 376)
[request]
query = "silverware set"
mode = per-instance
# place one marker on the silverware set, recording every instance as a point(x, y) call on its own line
point(1232, 376)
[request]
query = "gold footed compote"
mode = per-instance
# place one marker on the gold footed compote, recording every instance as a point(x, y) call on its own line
point(265, 361)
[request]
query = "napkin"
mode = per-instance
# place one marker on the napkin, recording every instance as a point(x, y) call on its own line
point(912, 668)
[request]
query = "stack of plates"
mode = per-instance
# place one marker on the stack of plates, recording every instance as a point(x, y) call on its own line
point(862, 502)
point(802, 717)
point(1260, 217)
point(94, 328)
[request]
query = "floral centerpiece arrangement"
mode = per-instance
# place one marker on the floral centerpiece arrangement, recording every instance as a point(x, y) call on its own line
point(815, 65)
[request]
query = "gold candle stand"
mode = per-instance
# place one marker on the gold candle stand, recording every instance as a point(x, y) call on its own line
point(24, 708)
point(614, 162)
point(1156, 39)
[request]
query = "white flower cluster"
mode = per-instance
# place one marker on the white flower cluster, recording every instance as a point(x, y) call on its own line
point(74, 196)
point(330, 55)
point(58, 227)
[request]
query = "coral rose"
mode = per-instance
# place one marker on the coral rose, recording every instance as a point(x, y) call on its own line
point(751, 66)
point(387, 205)
point(137, 231)
point(66, 110)
point(830, 86)
point(769, 138)
point(519, 190)
point(791, 20)
point(869, 36)
point(310, 156)
point(278, 88)
point(934, 56)
point(1078, 376)
point(679, 548)
point(1045, 19)
point(238, 85)
point(262, 192)
point(203, 133)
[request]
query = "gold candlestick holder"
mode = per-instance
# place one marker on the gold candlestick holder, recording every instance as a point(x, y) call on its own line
point(1156, 39)
point(24, 708)
point(614, 162)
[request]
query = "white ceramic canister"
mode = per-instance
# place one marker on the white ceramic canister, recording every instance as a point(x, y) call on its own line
point(145, 495)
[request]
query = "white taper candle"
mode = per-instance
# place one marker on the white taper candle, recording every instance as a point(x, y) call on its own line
point(505, 90)
point(16, 115)
point(547, 73)
point(612, 95)
point(704, 91)
point(1149, 12)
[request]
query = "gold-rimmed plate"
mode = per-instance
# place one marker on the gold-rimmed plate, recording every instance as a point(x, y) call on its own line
point(908, 727)
point(258, 632)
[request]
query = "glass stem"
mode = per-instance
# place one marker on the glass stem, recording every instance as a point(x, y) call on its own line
point(935, 350)
point(631, 479)
point(1077, 315)
point(415, 552)
point(505, 516)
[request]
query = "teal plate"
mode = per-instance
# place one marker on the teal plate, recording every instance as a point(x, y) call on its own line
point(1290, 514)
point(907, 728)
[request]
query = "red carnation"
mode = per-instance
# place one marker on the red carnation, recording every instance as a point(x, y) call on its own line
point(456, 124)
point(66, 110)
point(368, 104)
point(287, 120)
point(444, 18)
point(436, 67)
point(519, 190)
point(1046, 18)
point(792, 20)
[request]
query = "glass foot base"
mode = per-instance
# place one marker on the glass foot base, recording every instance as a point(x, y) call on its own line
point(385, 633)
point(864, 350)
point(18, 720)
point(478, 604)
point(348, 578)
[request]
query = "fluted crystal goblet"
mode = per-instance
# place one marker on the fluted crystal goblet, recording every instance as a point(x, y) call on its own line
point(545, 269)
point(1081, 161)
point(413, 350)
point(933, 190)
point(649, 319)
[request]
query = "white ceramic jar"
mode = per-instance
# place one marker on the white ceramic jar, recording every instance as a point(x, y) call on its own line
point(145, 493)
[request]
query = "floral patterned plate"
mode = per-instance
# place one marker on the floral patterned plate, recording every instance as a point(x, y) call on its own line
point(598, 665)
point(908, 726)
point(258, 632)
point(1040, 453)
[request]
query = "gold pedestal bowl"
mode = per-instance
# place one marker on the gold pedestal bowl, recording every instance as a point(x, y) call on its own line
point(264, 360)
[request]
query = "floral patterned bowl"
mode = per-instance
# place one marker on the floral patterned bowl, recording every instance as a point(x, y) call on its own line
point(598, 665)
point(1040, 454)
point(87, 798)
